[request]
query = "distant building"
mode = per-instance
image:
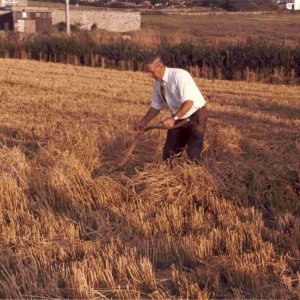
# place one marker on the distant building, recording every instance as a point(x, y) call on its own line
point(8, 3)
point(293, 4)
point(289, 4)
point(26, 20)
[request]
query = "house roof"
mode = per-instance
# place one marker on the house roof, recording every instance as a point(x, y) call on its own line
point(29, 9)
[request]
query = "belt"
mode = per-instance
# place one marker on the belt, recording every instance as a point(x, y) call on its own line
point(192, 115)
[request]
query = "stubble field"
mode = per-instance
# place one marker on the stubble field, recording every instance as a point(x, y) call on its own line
point(70, 228)
point(279, 28)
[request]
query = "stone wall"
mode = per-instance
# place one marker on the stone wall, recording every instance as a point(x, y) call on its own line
point(22, 2)
point(109, 20)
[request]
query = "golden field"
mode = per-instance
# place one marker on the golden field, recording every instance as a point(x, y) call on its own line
point(70, 228)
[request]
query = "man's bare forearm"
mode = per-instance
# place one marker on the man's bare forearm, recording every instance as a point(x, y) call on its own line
point(151, 114)
point(185, 107)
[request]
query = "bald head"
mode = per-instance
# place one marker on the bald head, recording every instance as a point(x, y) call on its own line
point(155, 60)
point(155, 67)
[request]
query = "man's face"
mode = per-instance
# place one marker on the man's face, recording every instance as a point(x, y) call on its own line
point(155, 71)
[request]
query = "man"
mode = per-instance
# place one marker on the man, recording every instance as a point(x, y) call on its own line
point(176, 90)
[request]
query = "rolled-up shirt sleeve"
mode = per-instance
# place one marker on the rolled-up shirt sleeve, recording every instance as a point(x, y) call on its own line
point(187, 87)
point(157, 102)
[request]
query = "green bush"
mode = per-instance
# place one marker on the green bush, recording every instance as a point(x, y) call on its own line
point(61, 26)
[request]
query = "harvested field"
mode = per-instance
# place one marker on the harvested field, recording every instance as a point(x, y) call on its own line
point(69, 228)
point(279, 28)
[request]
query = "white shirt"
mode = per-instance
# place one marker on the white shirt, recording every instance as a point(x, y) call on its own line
point(180, 87)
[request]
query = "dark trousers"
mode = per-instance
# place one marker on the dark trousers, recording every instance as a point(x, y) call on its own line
point(190, 135)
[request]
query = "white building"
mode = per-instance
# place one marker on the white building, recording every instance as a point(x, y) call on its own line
point(292, 4)
point(7, 3)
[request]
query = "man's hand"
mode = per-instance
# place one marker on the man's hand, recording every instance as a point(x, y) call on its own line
point(139, 126)
point(169, 123)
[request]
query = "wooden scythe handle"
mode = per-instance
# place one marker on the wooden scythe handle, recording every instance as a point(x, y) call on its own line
point(139, 135)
